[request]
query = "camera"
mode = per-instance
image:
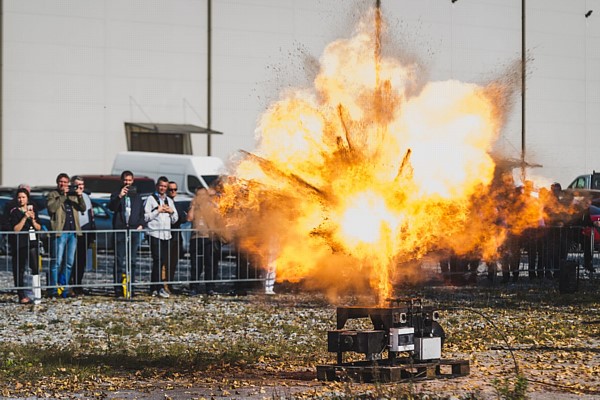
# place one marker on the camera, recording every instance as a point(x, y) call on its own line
point(132, 190)
point(72, 190)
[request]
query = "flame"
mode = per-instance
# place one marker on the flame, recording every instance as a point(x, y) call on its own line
point(369, 169)
point(364, 218)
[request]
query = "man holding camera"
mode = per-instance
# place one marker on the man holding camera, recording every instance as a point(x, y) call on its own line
point(128, 214)
point(63, 204)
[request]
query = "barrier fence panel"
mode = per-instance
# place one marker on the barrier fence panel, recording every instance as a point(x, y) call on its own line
point(124, 262)
point(120, 262)
point(535, 254)
point(186, 262)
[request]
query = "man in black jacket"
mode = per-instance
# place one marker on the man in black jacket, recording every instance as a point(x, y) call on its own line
point(128, 211)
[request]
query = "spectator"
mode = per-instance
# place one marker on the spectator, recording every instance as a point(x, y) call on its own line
point(582, 224)
point(533, 240)
point(510, 258)
point(510, 252)
point(206, 224)
point(63, 204)
point(9, 205)
point(86, 240)
point(159, 214)
point(176, 240)
point(24, 219)
point(555, 239)
point(128, 210)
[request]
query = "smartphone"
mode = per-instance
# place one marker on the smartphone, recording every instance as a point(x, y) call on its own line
point(29, 207)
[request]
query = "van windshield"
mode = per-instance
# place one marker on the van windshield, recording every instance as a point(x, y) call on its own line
point(193, 182)
point(210, 179)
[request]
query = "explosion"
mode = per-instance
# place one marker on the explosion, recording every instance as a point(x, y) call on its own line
point(369, 170)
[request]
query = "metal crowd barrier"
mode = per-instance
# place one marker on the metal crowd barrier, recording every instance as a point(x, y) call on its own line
point(95, 265)
point(542, 251)
point(537, 253)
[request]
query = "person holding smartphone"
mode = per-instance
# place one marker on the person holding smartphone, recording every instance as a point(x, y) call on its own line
point(128, 210)
point(24, 245)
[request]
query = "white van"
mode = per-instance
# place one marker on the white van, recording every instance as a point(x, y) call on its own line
point(188, 171)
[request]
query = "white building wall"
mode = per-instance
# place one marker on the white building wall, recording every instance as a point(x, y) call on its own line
point(261, 47)
point(75, 70)
point(561, 132)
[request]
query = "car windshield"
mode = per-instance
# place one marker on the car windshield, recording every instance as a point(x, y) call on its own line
point(104, 185)
point(145, 186)
point(40, 200)
point(3, 201)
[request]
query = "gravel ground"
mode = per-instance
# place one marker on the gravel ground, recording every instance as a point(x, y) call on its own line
point(294, 324)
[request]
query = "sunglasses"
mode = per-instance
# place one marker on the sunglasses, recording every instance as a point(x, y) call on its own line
point(171, 190)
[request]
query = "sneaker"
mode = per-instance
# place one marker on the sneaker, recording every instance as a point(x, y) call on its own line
point(154, 293)
point(163, 293)
point(194, 290)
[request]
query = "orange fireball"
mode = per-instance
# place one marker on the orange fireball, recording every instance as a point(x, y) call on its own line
point(367, 170)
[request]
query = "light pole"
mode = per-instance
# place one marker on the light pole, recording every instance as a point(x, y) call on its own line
point(209, 78)
point(585, 85)
point(523, 82)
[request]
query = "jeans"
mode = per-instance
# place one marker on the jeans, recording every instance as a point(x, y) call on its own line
point(121, 255)
point(63, 250)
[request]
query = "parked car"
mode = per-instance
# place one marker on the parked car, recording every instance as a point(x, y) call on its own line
point(4, 248)
point(8, 191)
point(594, 214)
point(39, 198)
point(104, 185)
point(103, 217)
point(586, 185)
